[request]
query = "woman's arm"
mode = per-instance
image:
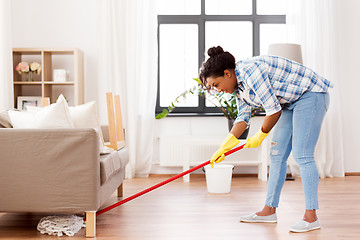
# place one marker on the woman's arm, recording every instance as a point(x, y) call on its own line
point(259, 137)
point(238, 129)
point(268, 124)
point(270, 121)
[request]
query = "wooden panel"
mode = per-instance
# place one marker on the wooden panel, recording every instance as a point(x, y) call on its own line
point(46, 66)
point(17, 92)
point(120, 191)
point(45, 102)
point(78, 77)
point(16, 60)
point(50, 50)
point(47, 92)
point(119, 126)
point(119, 145)
point(28, 50)
point(111, 120)
point(90, 224)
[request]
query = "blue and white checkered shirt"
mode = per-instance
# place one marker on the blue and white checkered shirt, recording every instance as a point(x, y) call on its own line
point(270, 82)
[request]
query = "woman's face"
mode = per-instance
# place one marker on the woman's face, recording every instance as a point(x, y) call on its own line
point(226, 83)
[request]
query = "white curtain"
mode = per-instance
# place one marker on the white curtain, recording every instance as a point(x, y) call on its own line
point(127, 50)
point(310, 24)
point(6, 86)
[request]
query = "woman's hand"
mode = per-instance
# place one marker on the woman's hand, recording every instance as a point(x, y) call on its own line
point(256, 140)
point(229, 142)
point(268, 124)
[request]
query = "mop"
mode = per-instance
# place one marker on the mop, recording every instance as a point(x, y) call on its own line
point(71, 224)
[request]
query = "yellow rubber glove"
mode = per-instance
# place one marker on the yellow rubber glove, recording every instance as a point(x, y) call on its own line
point(229, 142)
point(256, 140)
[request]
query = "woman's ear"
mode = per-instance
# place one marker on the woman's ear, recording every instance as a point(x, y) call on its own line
point(227, 73)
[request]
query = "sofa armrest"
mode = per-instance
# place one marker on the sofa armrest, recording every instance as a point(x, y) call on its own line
point(49, 170)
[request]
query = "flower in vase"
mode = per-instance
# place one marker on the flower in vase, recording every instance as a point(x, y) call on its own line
point(35, 67)
point(22, 67)
point(28, 69)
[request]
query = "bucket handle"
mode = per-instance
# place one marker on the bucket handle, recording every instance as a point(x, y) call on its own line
point(203, 168)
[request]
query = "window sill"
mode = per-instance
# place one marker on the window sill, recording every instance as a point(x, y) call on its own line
point(205, 115)
point(195, 115)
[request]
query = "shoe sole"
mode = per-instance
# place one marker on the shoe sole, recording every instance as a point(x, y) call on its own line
point(301, 231)
point(258, 221)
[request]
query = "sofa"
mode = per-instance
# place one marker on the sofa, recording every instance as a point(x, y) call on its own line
point(57, 171)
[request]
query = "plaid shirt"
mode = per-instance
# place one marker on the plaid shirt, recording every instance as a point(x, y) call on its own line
point(270, 82)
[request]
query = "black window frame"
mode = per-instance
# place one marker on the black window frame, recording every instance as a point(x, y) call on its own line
point(200, 20)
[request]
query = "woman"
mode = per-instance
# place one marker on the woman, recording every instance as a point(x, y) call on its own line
point(295, 99)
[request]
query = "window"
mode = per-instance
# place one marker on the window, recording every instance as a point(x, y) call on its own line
point(187, 28)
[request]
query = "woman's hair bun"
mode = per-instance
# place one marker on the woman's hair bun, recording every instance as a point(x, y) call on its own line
point(215, 51)
point(215, 66)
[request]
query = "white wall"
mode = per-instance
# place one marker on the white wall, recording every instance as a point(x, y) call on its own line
point(59, 24)
point(72, 23)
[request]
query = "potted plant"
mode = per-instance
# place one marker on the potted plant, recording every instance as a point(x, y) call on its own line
point(224, 101)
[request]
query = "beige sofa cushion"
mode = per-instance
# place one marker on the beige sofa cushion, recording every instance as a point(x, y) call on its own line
point(5, 120)
point(55, 115)
point(112, 163)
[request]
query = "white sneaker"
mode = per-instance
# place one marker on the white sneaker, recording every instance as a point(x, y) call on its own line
point(303, 226)
point(260, 219)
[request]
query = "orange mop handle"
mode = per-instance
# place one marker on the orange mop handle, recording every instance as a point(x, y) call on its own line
point(162, 183)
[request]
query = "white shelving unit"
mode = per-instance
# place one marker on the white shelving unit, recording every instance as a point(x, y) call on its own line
point(43, 85)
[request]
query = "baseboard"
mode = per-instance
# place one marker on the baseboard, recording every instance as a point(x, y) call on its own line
point(352, 174)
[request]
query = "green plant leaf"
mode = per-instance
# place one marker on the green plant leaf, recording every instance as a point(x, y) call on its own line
point(225, 102)
point(163, 114)
point(198, 81)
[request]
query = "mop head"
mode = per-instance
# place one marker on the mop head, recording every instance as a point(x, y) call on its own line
point(59, 225)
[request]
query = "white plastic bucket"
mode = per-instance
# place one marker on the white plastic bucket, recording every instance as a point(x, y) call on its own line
point(218, 178)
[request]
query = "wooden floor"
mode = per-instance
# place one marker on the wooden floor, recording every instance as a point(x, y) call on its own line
point(184, 211)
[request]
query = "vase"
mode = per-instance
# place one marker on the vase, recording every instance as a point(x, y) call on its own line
point(30, 77)
point(244, 134)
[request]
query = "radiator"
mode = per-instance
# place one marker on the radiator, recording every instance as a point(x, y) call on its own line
point(173, 150)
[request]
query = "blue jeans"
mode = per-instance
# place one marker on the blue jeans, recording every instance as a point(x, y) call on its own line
point(298, 130)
